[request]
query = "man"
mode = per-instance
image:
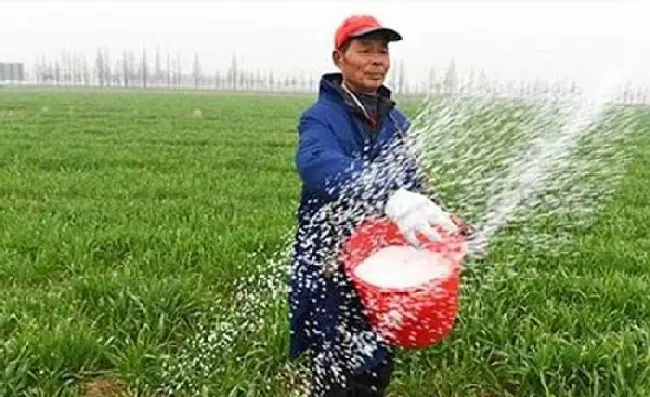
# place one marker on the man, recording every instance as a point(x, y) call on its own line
point(353, 161)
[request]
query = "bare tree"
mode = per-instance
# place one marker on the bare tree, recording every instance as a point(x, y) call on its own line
point(197, 71)
point(432, 79)
point(179, 73)
point(37, 72)
point(169, 68)
point(64, 69)
point(81, 59)
point(250, 80)
point(85, 71)
point(232, 72)
point(99, 66)
point(451, 79)
point(42, 69)
point(302, 81)
point(72, 60)
point(69, 68)
point(133, 69)
point(125, 69)
point(242, 79)
point(158, 77)
point(116, 75)
point(523, 86)
point(57, 72)
point(639, 94)
point(79, 67)
point(46, 71)
point(470, 82)
point(145, 69)
point(108, 73)
point(258, 80)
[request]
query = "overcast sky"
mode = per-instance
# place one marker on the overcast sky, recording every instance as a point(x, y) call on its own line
point(509, 39)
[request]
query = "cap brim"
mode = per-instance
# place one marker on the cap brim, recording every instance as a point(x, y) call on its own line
point(389, 34)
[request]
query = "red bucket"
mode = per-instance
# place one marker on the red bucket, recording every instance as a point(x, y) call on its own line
point(413, 317)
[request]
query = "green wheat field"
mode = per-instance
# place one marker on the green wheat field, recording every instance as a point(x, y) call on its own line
point(126, 220)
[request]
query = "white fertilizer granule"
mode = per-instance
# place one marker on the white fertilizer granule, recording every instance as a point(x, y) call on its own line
point(402, 267)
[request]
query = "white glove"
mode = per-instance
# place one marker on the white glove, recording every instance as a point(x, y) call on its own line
point(415, 213)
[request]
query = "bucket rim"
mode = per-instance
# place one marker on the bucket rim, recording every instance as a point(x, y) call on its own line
point(452, 257)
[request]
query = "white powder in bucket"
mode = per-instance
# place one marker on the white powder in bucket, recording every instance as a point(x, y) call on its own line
point(397, 266)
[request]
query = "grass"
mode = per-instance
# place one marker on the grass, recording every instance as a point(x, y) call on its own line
point(130, 223)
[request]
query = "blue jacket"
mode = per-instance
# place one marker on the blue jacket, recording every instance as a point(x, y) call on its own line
point(337, 145)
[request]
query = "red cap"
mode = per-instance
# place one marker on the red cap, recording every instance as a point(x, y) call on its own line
point(359, 25)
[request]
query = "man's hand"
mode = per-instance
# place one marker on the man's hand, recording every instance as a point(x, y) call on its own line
point(415, 213)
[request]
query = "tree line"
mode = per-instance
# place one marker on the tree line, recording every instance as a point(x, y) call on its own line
point(127, 69)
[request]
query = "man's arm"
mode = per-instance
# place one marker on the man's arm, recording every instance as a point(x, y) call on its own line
point(325, 169)
point(322, 166)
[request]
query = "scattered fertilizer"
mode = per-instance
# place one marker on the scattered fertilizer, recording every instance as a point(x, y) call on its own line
point(507, 162)
point(402, 267)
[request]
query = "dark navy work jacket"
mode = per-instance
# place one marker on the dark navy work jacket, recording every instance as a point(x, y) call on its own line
point(337, 145)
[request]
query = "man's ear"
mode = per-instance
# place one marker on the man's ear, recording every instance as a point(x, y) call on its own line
point(336, 57)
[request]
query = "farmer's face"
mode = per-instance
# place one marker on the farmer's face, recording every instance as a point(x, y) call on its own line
point(364, 64)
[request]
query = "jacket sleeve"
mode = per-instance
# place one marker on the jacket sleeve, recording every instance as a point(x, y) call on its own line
point(322, 165)
point(326, 170)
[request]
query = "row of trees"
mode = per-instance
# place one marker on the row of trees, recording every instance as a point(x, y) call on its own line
point(130, 70)
point(126, 69)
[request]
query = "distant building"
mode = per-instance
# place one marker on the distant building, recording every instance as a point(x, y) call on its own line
point(12, 72)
